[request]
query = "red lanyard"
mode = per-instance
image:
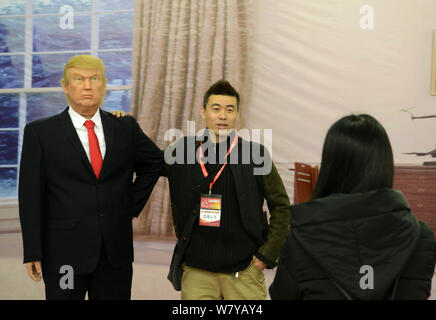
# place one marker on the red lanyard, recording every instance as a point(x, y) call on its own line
point(203, 168)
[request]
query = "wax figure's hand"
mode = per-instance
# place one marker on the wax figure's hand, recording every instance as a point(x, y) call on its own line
point(120, 113)
point(34, 270)
point(259, 264)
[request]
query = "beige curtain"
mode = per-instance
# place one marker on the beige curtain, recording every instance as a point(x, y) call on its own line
point(180, 48)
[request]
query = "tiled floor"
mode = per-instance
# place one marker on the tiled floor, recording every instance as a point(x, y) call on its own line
point(152, 260)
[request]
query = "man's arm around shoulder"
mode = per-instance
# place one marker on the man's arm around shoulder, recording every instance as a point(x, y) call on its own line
point(148, 166)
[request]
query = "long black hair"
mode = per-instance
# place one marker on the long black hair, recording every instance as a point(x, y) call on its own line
point(356, 157)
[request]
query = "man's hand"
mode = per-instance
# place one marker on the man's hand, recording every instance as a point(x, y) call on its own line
point(120, 113)
point(34, 270)
point(259, 264)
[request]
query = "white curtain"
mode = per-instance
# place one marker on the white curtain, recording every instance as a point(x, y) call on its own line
point(180, 49)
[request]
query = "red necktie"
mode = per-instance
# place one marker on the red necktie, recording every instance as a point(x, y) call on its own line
point(94, 148)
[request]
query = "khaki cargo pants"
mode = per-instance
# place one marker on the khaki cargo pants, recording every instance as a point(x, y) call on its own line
point(198, 284)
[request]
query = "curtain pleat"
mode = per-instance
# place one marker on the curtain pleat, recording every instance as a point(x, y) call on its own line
point(180, 49)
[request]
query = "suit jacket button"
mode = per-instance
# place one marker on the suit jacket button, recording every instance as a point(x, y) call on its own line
point(101, 214)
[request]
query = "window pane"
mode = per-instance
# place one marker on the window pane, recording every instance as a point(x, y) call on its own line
point(49, 36)
point(8, 182)
point(48, 69)
point(12, 35)
point(8, 147)
point(110, 5)
point(12, 71)
point(53, 6)
point(117, 100)
point(115, 31)
point(12, 7)
point(9, 110)
point(118, 67)
point(45, 104)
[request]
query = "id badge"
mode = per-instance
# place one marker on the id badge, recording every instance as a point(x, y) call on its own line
point(210, 210)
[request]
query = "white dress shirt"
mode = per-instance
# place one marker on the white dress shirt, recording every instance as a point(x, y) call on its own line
point(82, 131)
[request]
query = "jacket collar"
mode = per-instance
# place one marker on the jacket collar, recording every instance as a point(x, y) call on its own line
point(338, 207)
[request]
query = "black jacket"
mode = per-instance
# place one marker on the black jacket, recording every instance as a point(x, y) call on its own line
point(65, 211)
point(332, 238)
point(251, 190)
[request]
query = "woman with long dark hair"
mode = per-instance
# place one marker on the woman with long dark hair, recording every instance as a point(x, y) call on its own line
point(356, 238)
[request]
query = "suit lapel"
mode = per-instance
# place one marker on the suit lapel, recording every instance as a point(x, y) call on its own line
point(108, 123)
point(68, 129)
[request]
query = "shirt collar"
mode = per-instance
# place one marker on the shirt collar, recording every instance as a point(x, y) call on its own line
point(78, 120)
point(210, 136)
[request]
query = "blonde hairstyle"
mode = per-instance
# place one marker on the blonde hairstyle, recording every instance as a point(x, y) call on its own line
point(83, 61)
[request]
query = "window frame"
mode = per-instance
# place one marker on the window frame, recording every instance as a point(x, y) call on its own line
point(28, 55)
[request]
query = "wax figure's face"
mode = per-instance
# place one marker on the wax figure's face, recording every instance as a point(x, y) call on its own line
point(220, 114)
point(85, 89)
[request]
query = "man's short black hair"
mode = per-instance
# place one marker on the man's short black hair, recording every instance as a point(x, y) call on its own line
point(222, 87)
